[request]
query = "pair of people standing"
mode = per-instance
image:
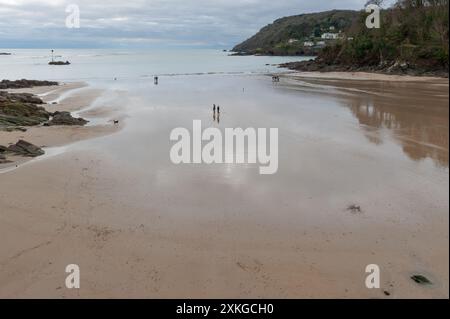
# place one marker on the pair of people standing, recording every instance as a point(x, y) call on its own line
point(218, 113)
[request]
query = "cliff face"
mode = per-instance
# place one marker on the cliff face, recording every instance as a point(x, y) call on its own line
point(286, 36)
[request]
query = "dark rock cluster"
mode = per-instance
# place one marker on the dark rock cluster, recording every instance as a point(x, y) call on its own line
point(25, 148)
point(21, 109)
point(24, 109)
point(65, 118)
point(18, 110)
point(24, 84)
point(393, 67)
point(22, 148)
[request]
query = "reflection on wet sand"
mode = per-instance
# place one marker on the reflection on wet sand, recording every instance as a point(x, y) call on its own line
point(144, 227)
point(416, 114)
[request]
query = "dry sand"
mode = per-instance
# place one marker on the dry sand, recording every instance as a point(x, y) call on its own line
point(365, 76)
point(130, 243)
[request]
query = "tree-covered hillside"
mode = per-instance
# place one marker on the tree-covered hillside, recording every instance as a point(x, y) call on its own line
point(414, 31)
point(412, 38)
point(286, 36)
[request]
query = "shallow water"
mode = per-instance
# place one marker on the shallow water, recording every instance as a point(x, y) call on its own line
point(336, 146)
point(334, 136)
point(97, 65)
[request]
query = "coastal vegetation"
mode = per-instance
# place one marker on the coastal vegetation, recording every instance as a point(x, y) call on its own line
point(412, 39)
point(288, 36)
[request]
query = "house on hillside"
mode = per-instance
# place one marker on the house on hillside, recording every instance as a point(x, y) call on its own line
point(308, 43)
point(291, 41)
point(330, 36)
point(321, 44)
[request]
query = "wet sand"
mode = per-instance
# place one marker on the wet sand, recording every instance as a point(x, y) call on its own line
point(140, 227)
point(366, 76)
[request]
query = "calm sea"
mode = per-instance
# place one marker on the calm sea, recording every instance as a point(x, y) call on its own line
point(104, 64)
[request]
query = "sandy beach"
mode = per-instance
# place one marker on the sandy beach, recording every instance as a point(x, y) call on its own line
point(109, 199)
point(71, 97)
point(366, 76)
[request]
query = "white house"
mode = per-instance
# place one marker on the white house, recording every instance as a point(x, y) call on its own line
point(308, 44)
point(292, 41)
point(330, 36)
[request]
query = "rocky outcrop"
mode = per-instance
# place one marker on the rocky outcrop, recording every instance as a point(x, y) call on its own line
point(24, 109)
point(393, 67)
point(21, 109)
point(25, 148)
point(24, 84)
point(59, 63)
point(5, 53)
point(22, 148)
point(65, 118)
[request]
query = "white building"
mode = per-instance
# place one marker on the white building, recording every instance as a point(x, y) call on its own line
point(292, 41)
point(308, 44)
point(330, 36)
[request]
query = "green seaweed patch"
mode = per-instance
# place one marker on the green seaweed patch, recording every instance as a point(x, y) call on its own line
point(421, 280)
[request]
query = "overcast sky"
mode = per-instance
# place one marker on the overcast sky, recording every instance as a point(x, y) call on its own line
point(147, 23)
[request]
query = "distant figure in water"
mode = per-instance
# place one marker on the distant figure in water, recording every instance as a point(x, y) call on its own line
point(218, 113)
point(156, 80)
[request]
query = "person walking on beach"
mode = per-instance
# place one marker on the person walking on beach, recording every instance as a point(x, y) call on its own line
point(214, 108)
point(218, 109)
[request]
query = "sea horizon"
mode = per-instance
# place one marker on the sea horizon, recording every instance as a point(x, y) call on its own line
point(88, 64)
point(311, 164)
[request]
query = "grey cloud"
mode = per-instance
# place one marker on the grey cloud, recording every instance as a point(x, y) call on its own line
point(214, 23)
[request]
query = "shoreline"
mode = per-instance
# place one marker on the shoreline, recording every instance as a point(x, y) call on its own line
point(73, 97)
point(392, 69)
point(138, 228)
point(362, 76)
